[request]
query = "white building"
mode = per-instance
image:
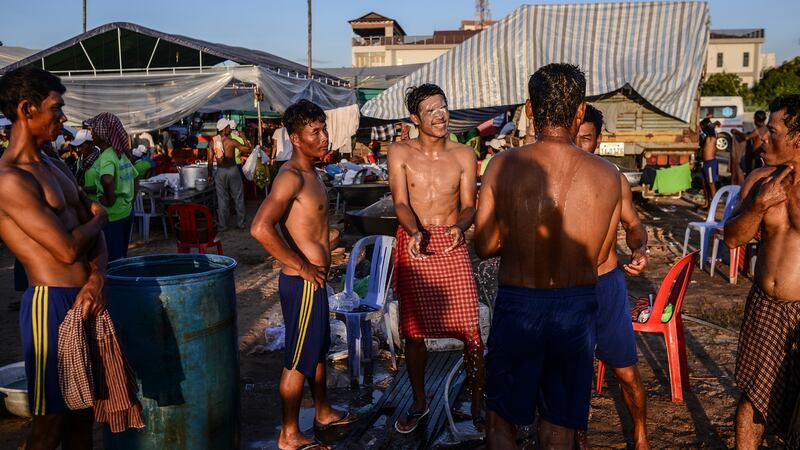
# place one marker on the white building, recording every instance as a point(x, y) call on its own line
point(739, 52)
point(381, 41)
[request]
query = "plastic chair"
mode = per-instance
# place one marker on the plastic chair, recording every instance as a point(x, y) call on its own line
point(359, 328)
point(145, 214)
point(189, 234)
point(711, 223)
point(717, 235)
point(672, 291)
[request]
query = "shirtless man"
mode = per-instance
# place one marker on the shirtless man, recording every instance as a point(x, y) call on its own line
point(228, 179)
point(298, 203)
point(710, 163)
point(55, 231)
point(757, 140)
point(550, 211)
point(432, 180)
point(616, 344)
point(767, 373)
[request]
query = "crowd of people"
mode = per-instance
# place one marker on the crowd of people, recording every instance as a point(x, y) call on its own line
point(550, 210)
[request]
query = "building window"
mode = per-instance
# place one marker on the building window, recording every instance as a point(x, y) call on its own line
point(746, 59)
point(371, 59)
point(719, 59)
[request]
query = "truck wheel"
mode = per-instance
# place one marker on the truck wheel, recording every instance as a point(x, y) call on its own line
point(724, 142)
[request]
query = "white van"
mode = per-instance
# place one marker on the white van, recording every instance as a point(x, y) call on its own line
point(729, 111)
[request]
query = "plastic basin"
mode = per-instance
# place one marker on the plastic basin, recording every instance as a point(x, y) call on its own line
point(14, 387)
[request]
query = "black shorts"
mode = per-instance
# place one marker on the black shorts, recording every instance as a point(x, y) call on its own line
point(541, 355)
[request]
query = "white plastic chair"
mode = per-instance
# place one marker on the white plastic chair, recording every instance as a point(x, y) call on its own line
point(145, 214)
point(710, 224)
point(359, 328)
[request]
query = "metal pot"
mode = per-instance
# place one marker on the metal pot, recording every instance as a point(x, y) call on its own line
point(190, 173)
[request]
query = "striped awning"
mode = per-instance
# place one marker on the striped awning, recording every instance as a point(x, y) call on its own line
point(658, 48)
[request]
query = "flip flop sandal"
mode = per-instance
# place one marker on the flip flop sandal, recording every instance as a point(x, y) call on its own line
point(418, 416)
point(347, 419)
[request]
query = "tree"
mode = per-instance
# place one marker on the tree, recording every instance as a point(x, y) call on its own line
point(724, 85)
point(784, 79)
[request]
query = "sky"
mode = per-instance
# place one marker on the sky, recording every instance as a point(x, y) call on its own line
point(279, 26)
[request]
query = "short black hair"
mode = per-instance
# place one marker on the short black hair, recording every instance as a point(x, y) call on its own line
point(760, 116)
point(556, 91)
point(301, 114)
point(417, 94)
point(26, 83)
point(790, 105)
point(595, 116)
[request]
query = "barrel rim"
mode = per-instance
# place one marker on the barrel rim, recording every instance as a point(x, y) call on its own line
point(230, 264)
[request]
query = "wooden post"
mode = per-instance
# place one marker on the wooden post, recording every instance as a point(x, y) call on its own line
point(309, 39)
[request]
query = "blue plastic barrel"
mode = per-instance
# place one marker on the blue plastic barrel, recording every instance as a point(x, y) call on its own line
point(176, 320)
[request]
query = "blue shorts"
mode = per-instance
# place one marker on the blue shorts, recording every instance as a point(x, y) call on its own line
point(711, 170)
point(616, 344)
point(541, 355)
point(308, 327)
point(41, 312)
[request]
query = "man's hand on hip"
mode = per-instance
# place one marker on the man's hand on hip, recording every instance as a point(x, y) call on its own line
point(315, 275)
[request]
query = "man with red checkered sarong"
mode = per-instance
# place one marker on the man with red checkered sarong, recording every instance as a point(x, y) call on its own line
point(768, 360)
point(433, 187)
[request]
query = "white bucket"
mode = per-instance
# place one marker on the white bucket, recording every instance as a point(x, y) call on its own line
point(16, 397)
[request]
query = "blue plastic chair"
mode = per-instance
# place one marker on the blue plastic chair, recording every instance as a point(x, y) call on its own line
point(707, 228)
point(359, 328)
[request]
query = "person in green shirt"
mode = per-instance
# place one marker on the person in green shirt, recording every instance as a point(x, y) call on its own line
point(142, 163)
point(240, 138)
point(86, 171)
point(116, 178)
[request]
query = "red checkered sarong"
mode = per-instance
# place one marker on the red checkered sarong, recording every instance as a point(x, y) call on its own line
point(768, 363)
point(438, 297)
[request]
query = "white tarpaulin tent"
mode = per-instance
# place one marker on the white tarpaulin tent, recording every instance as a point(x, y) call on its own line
point(152, 79)
point(657, 48)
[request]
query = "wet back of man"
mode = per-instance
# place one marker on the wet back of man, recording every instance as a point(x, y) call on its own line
point(545, 209)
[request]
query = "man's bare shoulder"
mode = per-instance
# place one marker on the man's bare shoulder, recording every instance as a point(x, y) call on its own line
point(599, 164)
point(14, 180)
point(288, 176)
point(459, 148)
point(464, 154)
point(400, 148)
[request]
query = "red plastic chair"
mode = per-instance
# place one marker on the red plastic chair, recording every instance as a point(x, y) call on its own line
point(189, 234)
point(672, 291)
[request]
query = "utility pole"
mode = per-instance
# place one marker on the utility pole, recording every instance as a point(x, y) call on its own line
point(309, 39)
point(84, 16)
point(482, 12)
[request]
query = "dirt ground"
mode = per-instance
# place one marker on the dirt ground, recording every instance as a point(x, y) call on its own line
point(712, 312)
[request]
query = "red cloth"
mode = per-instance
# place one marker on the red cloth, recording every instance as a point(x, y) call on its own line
point(437, 295)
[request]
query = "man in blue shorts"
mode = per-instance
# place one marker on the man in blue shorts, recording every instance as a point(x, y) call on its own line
point(298, 203)
point(547, 210)
point(56, 233)
point(708, 139)
point(616, 345)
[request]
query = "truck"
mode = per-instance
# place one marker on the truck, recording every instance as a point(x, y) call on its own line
point(637, 135)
